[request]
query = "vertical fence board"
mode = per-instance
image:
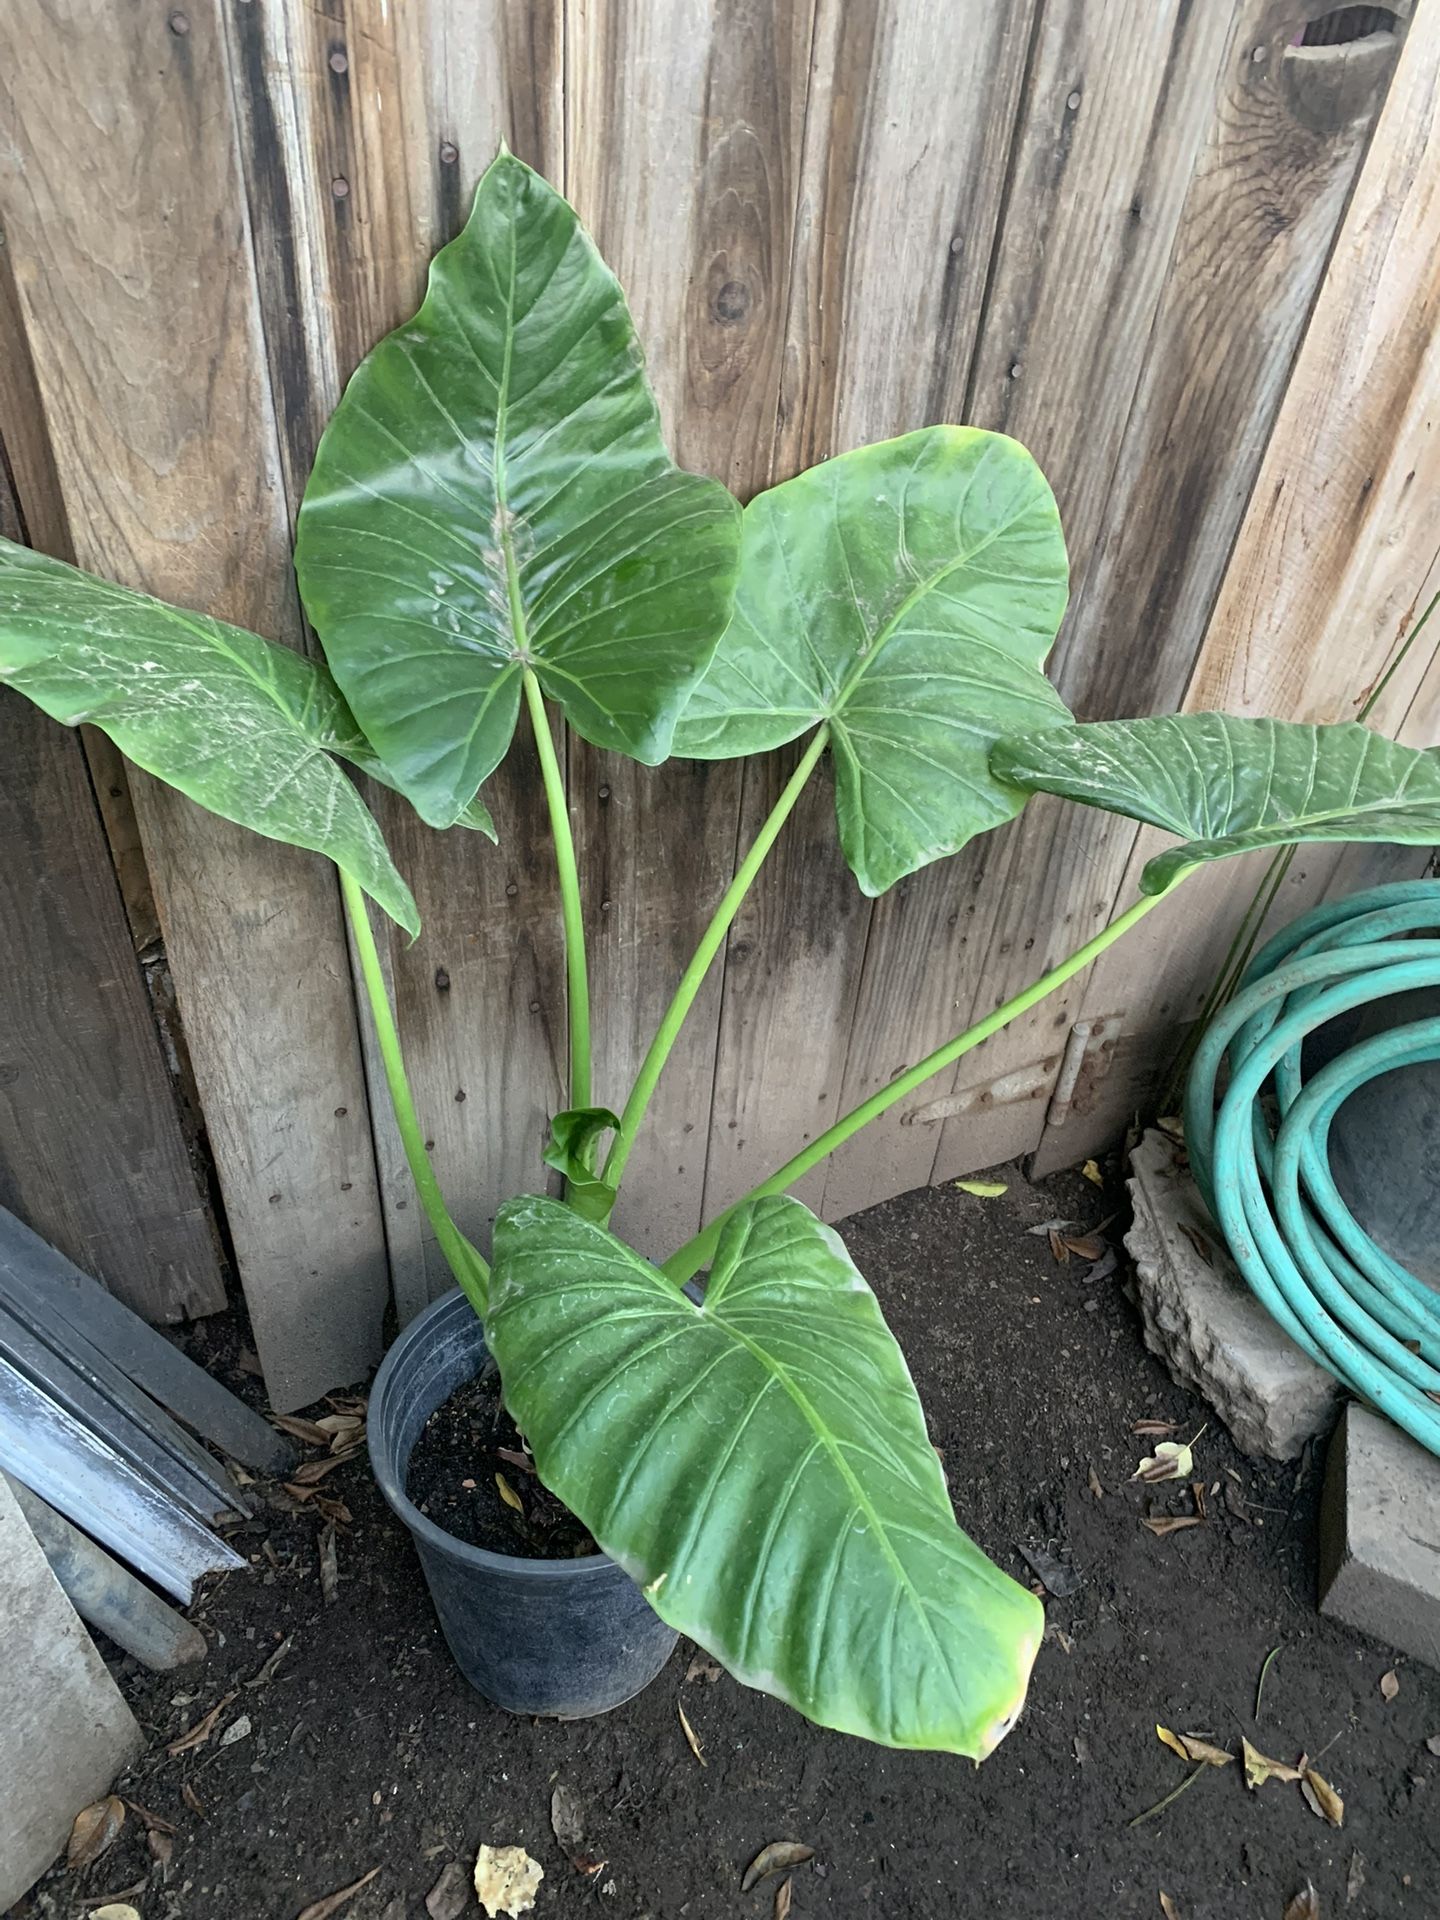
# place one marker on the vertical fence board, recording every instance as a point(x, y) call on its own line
point(362, 143)
point(907, 133)
point(132, 254)
point(1116, 106)
point(1325, 576)
point(1266, 188)
point(91, 1152)
point(684, 153)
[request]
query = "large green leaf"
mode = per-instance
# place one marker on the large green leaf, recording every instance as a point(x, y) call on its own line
point(493, 492)
point(760, 1465)
point(1227, 785)
point(908, 593)
point(244, 727)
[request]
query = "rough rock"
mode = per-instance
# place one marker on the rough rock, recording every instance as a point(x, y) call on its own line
point(1206, 1325)
point(1380, 1535)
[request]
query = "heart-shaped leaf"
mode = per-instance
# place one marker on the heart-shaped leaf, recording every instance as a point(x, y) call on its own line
point(760, 1465)
point(493, 492)
point(574, 1136)
point(242, 726)
point(908, 594)
point(1228, 785)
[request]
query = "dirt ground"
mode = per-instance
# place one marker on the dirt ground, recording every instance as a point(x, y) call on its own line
point(365, 1750)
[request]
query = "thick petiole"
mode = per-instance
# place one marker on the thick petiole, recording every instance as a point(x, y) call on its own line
point(711, 942)
point(697, 1253)
point(576, 978)
point(465, 1261)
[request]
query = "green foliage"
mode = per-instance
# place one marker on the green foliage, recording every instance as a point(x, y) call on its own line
point(572, 1149)
point(242, 726)
point(760, 1464)
point(493, 492)
point(907, 594)
point(1228, 786)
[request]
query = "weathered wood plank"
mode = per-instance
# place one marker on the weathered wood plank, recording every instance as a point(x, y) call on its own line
point(132, 253)
point(907, 131)
point(90, 1144)
point(1117, 104)
point(1268, 180)
point(684, 154)
point(363, 132)
point(1336, 548)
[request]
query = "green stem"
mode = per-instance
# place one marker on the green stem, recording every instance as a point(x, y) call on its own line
point(576, 979)
point(711, 942)
point(465, 1261)
point(699, 1252)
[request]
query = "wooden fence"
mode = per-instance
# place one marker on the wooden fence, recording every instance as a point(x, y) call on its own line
point(1189, 253)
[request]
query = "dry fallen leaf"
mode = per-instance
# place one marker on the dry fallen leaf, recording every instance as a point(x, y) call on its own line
point(1168, 1906)
point(1150, 1427)
point(514, 1459)
point(94, 1830)
point(508, 1494)
point(690, 1734)
point(115, 1910)
point(329, 1564)
point(1390, 1684)
point(1189, 1746)
point(1259, 1767)
point(314, 1471)
point(1171, 1460)
point(1354, 1878)
point(197, 1735)
point(1163, 1523)
point(151, 1822)
point(777, 1857)
point(1305, 1905)
point(450, 1895)
point(1093, 1174)
point(506, 1879)
point(310, 1431)
point(702, 1669)
point(567, 1818)
point(1087, 1246)
point(983, 1189)
point(161, 1847)
point(192, 1800)
point(1058, 1249)
point(1322, 1799)
point(782, 1901)
point(333, 1902)
point(267, 1672)
point(1096, 1489)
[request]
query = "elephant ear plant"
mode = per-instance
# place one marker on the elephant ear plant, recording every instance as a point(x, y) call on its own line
point(493, 523)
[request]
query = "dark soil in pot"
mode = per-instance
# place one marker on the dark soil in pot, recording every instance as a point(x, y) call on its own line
point(470, 1472)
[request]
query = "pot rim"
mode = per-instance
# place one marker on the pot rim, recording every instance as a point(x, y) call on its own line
point(391, 1484)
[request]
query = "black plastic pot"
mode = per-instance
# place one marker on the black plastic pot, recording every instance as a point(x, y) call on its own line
point(571, 1637)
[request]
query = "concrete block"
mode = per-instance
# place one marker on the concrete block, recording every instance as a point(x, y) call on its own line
point(65, 1732)
point(1380, 1535)
point(1206, 1325)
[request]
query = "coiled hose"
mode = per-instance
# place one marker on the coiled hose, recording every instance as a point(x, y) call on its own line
point(1263, 1165)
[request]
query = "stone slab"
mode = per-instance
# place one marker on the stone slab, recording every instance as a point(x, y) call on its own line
point(65, 1732)
point(1205, 1324)
point(1380, 1535)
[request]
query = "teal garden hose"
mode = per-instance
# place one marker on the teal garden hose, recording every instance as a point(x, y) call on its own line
point(1262, 1161)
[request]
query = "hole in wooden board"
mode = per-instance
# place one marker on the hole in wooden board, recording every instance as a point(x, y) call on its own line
point(1335, 70)
point(1345, 25)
